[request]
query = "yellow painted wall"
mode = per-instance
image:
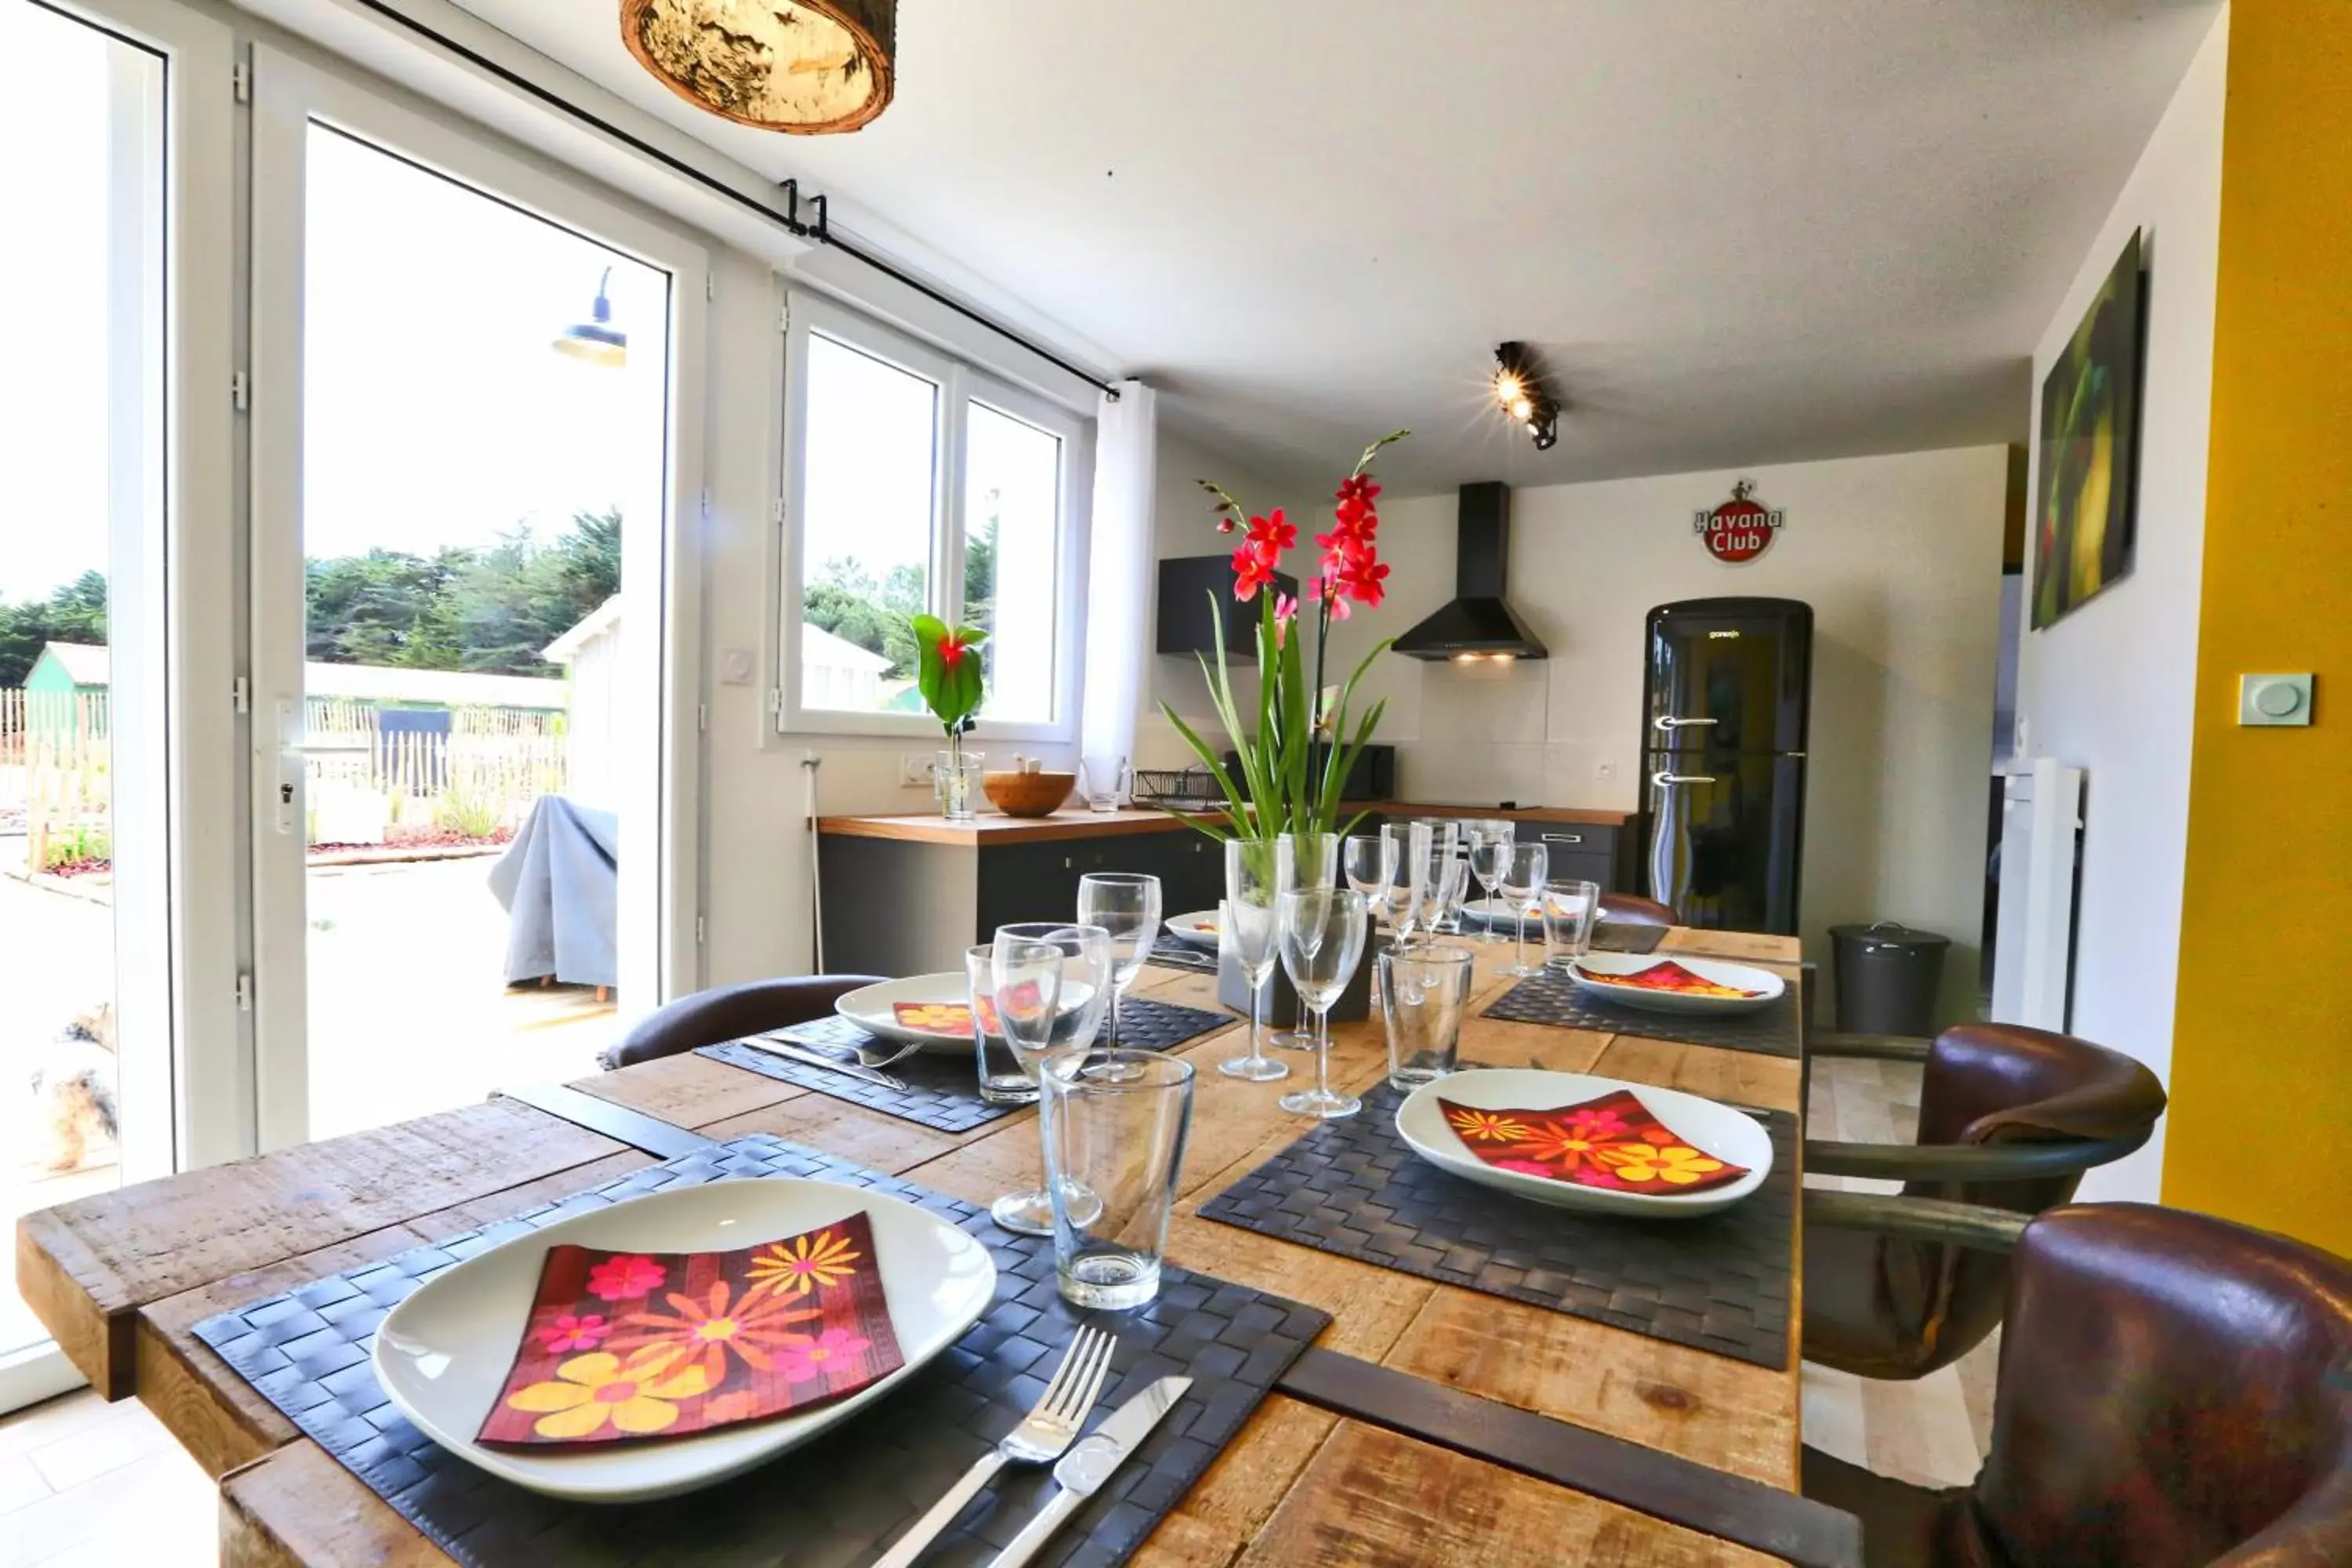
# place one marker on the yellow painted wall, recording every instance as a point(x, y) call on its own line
point(2261, 1124)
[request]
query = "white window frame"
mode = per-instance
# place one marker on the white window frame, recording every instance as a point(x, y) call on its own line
point(960, 384)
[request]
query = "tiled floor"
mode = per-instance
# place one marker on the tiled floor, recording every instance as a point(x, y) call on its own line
point(89, 1485)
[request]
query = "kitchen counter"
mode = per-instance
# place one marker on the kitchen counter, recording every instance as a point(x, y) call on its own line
point(994, 827)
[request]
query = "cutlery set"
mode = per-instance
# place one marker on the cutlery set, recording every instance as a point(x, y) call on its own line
point(855, 1064)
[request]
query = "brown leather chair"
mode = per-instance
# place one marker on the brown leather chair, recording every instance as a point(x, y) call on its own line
point(2174, 1390)
point(1633, 910)
point(2010, 1117)
point(729, 1013)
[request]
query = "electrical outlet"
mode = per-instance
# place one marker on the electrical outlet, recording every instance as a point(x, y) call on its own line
point(915, 770)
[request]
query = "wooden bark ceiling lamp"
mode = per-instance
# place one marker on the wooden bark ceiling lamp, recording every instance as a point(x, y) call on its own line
point(807, 66)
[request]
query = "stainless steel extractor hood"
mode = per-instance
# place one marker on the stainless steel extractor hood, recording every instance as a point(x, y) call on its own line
point(1478, 622)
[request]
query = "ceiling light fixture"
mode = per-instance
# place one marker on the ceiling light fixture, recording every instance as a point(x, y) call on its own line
point(1519, 393)
point(807, 66)
point(596, 339)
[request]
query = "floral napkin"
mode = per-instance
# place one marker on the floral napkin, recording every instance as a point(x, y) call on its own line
point(629, 1345)
point(944, 1017)
point(1613, 1143)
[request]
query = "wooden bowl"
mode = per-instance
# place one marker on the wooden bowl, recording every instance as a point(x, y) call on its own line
point(1028, 794)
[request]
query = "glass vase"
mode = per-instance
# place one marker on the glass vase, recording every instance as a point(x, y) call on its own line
point(955, 779)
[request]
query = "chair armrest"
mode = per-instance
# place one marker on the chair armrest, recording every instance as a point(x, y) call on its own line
point(1882, 1047)
point(1916, 1219)
point(1965, 1162)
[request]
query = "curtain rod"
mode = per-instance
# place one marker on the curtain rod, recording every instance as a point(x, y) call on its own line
point(788, 220)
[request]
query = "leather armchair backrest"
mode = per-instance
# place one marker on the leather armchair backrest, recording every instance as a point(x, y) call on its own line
point(2174, 1390)
point(729, 1013)
point(1633, 910)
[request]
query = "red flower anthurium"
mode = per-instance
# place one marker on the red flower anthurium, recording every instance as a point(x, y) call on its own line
point(950, 682)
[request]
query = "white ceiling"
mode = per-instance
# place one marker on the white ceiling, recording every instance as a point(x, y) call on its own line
point(1737, 231)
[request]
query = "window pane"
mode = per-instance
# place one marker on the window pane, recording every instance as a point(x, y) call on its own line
point(865, 537)
point(1013, 523)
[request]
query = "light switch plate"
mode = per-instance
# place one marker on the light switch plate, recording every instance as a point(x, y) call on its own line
point(2274, 699)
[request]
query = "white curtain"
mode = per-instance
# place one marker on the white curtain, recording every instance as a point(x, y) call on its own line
point(1119, 570)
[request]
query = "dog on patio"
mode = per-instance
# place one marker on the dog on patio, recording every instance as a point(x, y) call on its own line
point(73, 1087)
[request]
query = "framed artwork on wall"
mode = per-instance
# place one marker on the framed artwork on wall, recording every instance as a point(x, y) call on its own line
point(2090, 449)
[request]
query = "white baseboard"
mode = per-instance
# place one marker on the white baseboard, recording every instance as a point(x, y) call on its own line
point(34, 1373)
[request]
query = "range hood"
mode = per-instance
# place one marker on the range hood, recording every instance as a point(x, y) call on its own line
point(1477, 623)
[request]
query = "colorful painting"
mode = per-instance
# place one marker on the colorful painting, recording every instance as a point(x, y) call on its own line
point(1613, 1143)
point(2089, 451)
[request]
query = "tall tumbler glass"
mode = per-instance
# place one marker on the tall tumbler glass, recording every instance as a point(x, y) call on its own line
point(1003, 1079)
point(1313, 862)
point(1525, 869)
point(1051, 984)
point(1127, 905)
point(1411, 842)
point(1115, 1138)
point(1322, 941)
point(1425, 994)
point(1246, 928)
point(1569, 908)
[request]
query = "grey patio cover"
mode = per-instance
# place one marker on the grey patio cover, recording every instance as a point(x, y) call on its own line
point(559, 881)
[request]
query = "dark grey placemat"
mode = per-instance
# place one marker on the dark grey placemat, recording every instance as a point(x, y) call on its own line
point(1552, 998)
point(942, 1088)
point(1353, 1187)
point(838, 1501)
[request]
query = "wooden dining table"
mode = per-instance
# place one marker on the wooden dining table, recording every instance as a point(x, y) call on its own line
point(122, 1278)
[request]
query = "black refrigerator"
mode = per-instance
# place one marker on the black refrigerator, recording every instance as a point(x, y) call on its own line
point(1725, 694)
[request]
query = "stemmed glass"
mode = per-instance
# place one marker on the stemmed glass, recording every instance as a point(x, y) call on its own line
point(1052, 985)
point(1525, 866)
point(1488, 855)
point(1313, 861)
point(1246, 929)
point(1127, 905)
point(1370, 861)
point(1409, 842)
point(1322, 940)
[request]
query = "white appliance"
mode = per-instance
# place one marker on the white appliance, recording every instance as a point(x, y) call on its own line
point(2033, 947)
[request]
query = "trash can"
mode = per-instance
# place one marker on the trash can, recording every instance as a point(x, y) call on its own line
point(1886, 976)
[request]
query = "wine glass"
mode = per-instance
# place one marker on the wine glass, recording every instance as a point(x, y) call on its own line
point(1245, 927)
point(1370, 861)
point(1312, 861)
point(1409, 843)
point(1487, 858)
point(1525, 868)
point(1051, 984)
point(1322, 941)
point(1127, 905)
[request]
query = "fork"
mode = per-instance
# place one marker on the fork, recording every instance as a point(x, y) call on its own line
point(1049, 1428)
point(870, 1061)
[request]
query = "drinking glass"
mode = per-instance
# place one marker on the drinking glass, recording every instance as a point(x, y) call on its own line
point(1127, 905)
point(1410, 844)
point(1002, 1079)
point(1524, 870)
point(1313, 862)
point(1246, 929)
point(1488, 848)
point(1370, 861)
point(1424, 993)
point(1322, 939)
point(1115, 1137)
point(1570, 909)
point(1433, 875)
point(1453, 890)
point(1105, 780)
point(1051, 984)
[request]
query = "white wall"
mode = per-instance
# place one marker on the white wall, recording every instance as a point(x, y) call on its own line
point(2109, 687)
point(1900, 559)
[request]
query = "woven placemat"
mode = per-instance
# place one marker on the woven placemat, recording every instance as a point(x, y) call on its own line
point(840, 1500)
point(942, 1088)
point(1352, 1186)
point(1552, 998)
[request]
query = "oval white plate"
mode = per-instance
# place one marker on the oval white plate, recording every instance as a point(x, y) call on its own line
point(872, 1009)
point(1198, 928)
point(1767, 984)
point(1497, 914)
point(443, 1355)
point(1717, 1130)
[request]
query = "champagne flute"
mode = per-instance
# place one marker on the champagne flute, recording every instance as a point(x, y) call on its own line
point(1322, 941)
point(1312, 861)
point(1525, 869)
point(1486, 861)
point(1246, 929)
point(1127, 905)
point(1410, 841)
point(1051, 984)
point(1371, 863)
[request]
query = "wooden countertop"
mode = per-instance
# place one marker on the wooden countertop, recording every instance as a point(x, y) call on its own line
point(996, 828)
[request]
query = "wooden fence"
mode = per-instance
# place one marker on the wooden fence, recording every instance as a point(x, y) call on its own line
point(57, 773)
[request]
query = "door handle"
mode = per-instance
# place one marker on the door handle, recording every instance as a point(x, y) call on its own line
point(1669, 723)
point(1563, 837)
point(1663, 780)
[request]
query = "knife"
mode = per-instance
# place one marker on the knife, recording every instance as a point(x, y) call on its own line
point(816, 1059)
point(1090, 1462)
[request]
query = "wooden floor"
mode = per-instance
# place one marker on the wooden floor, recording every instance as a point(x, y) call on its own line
point(88, 1485)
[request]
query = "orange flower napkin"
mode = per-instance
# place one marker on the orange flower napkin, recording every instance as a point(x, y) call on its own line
point(1668, 975)
point(1613, 1143)
point(944, 1017)
point(624, 1345)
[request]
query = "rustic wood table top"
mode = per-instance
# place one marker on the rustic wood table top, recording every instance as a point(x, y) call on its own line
point(122, 1278)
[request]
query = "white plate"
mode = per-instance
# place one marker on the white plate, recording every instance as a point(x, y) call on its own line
point(870, 1008)
point(1767, 985)
point(444, 1353)
point(1198, 928)
point(1498, 913)
point(1717, 1130)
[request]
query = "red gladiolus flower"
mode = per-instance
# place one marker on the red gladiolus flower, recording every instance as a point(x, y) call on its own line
point(1286, 610)
point(1273, 535)
point(1358, 486)
point(1251, 572)
point(1362, 582)
point(1225, 524)
point(951, 652)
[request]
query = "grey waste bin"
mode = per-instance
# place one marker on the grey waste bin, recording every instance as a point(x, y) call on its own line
point(1886, 976)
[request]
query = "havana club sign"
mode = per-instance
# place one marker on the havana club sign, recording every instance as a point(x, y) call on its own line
point(1739, 529)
